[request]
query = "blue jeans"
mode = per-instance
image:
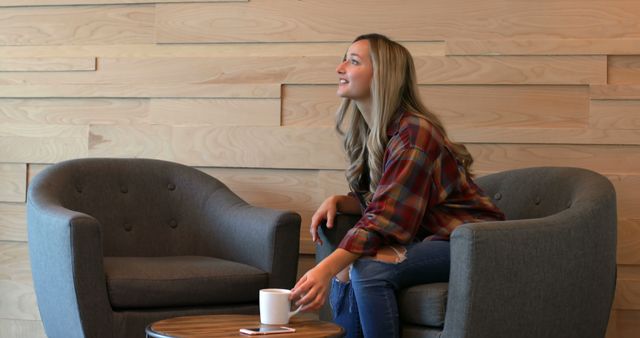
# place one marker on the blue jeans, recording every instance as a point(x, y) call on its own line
point(367, 305)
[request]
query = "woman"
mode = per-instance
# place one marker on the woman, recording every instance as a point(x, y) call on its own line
point(411, 183)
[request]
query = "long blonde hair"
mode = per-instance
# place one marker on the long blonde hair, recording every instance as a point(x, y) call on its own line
point(394, 89)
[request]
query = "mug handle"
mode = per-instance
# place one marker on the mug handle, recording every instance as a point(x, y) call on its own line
point(295, 312)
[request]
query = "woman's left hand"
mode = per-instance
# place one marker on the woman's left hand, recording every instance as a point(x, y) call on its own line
point(312, 289)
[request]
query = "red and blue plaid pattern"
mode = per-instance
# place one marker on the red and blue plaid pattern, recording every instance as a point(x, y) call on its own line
point(423, 192)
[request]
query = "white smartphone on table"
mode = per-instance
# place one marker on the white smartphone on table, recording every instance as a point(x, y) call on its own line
point(266, 330)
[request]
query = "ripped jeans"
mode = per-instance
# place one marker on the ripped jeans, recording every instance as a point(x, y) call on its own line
point(367, 304)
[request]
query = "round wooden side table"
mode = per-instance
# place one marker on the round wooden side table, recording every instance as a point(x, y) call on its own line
point(214, 326)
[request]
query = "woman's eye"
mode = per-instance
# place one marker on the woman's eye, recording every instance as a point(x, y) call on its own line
point(354, 62)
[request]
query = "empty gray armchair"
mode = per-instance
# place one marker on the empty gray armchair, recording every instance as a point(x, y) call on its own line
point(116, 244)
point(548, 271)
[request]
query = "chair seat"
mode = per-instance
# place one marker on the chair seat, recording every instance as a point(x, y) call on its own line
point(424, 304)
point(143, 282)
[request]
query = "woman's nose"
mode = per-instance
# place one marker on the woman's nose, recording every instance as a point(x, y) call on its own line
point(340, 68)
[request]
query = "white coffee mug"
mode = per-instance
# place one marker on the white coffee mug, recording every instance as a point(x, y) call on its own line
point(275, 307)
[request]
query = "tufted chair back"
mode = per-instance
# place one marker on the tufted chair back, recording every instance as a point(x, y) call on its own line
point(145, 207)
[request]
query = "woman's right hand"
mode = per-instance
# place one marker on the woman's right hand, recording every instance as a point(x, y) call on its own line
point(326, 211)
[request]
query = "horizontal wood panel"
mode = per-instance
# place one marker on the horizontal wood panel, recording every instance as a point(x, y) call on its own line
point(17, 328)
point(11, 3)
point(46, 64)
point(614, 114)
point(16, 286)
point(603, 159)
point(416, 48)
point(512, 70)
point(628, 194)
point(77, 111)
point(263, 21)
point(615, 92)
point(267, 147)
point(628, 241)
point(627, 295)
point(13, 222)
point(623, 324)
point(321, 70)
point(458, 106)
point(13, 182)
point(585, 136)
point(23, 143)
point(72, 25)
point(264, 90)
point(624, 69)
point(525, 46)
point(220, 112)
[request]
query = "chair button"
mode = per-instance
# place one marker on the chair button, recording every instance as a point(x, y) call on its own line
point(128, 227)
point(171, 186)
point(537, 200)
point(79, 188)
point(173, 224)
point(497, 196)
point(124, 190)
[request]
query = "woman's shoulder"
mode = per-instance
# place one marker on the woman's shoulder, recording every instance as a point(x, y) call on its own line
point(413, 130)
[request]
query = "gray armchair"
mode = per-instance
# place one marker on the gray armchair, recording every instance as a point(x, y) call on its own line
point(548, 271)
point(116, 244)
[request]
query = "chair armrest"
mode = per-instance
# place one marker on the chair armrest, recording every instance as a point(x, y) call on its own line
point(65, 249)
point(552, 276)
point(265, 238)
point(331, 238)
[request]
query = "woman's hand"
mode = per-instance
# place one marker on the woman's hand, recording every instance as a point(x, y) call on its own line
point(327, 211)
point(312, 289)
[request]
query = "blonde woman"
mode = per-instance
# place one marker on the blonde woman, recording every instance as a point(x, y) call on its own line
point(410, 182)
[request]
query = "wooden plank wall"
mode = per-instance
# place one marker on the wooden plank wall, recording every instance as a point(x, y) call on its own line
point(244, 90)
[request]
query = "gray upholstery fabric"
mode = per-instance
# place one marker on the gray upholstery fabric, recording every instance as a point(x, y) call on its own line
point(548, 271)
point(143, 282)
point(424, 304)
point(87, 213)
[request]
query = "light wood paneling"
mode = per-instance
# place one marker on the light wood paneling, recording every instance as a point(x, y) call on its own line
point(73, 25)
point(628, 240)
point(624, 69)
point(512, 70)
point(77, 111)
point(13, 182)
point(603, 159)
point(544, 47)
point(10, 3)
point(269, 21)
point(263, 90)
point(219, 112)
point(13, 222)
point(16, 286)
point(614, 114)
point(333, 49)
point(267, 147)
point(624, 324)
point(23, 143)
point(628, 193)
point(321, 70)
point(16, 328)
point(46, 64)
point(459, 106)
point(615, 92)
point(628, 288)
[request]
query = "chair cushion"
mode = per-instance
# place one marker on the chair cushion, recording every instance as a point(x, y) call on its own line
point(142, 282)
point(424, 304)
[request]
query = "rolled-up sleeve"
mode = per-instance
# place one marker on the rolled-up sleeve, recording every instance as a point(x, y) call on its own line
point(399, 203)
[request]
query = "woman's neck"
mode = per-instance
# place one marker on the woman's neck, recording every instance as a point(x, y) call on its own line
point(364, 106)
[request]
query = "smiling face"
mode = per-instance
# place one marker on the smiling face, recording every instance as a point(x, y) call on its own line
point(355, 73)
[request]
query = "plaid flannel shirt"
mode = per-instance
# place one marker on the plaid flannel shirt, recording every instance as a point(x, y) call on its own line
point(423, 192)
